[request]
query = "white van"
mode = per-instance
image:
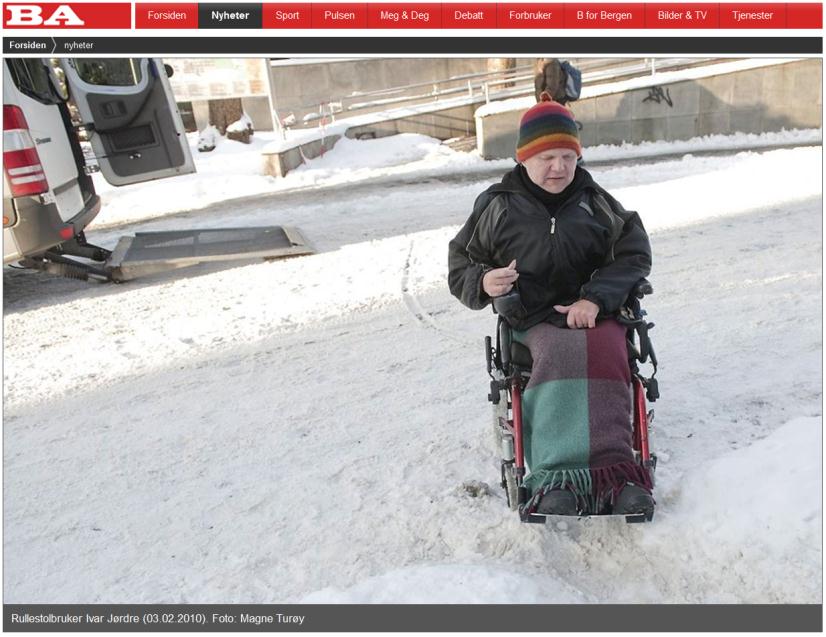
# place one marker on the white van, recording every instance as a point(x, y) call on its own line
point(131, 121)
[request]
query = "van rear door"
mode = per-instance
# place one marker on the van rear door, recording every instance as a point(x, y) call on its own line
point(128, 108)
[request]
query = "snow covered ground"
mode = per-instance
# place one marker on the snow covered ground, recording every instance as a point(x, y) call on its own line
point(316, 429)
point(234, 170)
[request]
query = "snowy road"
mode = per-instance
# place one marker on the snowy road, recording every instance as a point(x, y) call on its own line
point(306, 430)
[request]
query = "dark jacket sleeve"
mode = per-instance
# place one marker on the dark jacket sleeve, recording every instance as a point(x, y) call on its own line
point(467, 266)
point(611, 284)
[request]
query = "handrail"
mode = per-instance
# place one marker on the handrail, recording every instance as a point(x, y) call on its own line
point(490, 85)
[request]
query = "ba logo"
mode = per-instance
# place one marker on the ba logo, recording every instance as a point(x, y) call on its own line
point(32, 15)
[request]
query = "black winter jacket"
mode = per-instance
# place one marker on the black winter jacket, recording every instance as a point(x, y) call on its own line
point(591, 248)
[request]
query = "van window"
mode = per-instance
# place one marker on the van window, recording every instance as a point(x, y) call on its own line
point(109, 71)
point(31, 77)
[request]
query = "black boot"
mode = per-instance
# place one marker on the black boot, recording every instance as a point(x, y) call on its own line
point(634, 500)
point(557, 502)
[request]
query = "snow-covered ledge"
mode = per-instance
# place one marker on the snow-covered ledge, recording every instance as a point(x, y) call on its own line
point(286, 155)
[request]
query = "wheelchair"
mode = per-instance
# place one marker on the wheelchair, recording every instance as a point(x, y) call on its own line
point(509, 365)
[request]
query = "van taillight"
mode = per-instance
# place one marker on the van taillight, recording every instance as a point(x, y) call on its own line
point(21, 162)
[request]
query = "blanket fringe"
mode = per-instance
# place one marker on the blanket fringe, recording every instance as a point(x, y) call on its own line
point(594, 488)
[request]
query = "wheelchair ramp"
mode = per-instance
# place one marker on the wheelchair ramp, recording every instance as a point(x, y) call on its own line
point(153, 252)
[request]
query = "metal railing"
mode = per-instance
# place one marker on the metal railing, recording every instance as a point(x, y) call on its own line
point(485, 87)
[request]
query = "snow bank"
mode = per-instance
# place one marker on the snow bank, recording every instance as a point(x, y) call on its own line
point(737, 517)
point(726, 529)
point(727, 186)
point(304, 136)
point(735, 141)
point(235, 170)
point(240, 125)
point(452, 584)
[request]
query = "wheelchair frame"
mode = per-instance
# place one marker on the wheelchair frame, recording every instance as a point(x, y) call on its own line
point(509, 378)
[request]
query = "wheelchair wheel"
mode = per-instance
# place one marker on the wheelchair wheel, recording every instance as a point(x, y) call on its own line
point(510, 488)
point(500, 412)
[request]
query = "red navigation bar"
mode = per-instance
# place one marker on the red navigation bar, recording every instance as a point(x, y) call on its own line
point(427, 15)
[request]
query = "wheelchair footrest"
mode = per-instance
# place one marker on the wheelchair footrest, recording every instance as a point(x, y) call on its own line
point(539, 518)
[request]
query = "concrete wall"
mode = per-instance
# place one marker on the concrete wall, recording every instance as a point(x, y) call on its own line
point(280, 163)
point(258, 108)
point(753, 101)
point(454, 122)
point(299, 88)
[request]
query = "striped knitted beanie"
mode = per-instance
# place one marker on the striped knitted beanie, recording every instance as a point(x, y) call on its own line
point(544, 126)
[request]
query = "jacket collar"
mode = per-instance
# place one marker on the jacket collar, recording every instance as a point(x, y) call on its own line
point(512, 182)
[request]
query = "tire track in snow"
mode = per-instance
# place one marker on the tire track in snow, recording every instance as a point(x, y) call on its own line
point(421, 315)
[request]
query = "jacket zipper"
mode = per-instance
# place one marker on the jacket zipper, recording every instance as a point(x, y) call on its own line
point(553, 225)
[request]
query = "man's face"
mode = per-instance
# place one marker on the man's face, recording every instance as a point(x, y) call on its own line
point(552, 170)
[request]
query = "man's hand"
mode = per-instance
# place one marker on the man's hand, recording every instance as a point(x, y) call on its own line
point(581, 314)
point(500, 280)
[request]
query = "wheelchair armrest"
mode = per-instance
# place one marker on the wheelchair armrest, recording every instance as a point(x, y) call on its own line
point(509, 305)
point(642, 288)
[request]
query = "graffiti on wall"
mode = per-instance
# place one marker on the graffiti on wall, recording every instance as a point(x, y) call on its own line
point(658, 95)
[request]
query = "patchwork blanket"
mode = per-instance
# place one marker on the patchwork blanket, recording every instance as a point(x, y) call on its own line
point(577, 414)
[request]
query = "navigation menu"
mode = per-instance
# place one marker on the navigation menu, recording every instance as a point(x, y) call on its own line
point(682, 16)
point(530, 16)
point(158, 15)
point(339, 16)
point(404, 16)
point(229, 15)
point(288, 16)
point(412, 15)
point(752, 16)
point(505, 45)
point(468, 16)
point(604, 16)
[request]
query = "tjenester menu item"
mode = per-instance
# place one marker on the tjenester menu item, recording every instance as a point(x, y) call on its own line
point(753, 16)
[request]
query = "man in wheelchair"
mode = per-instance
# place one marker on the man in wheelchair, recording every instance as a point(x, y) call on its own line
point(561, 257)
